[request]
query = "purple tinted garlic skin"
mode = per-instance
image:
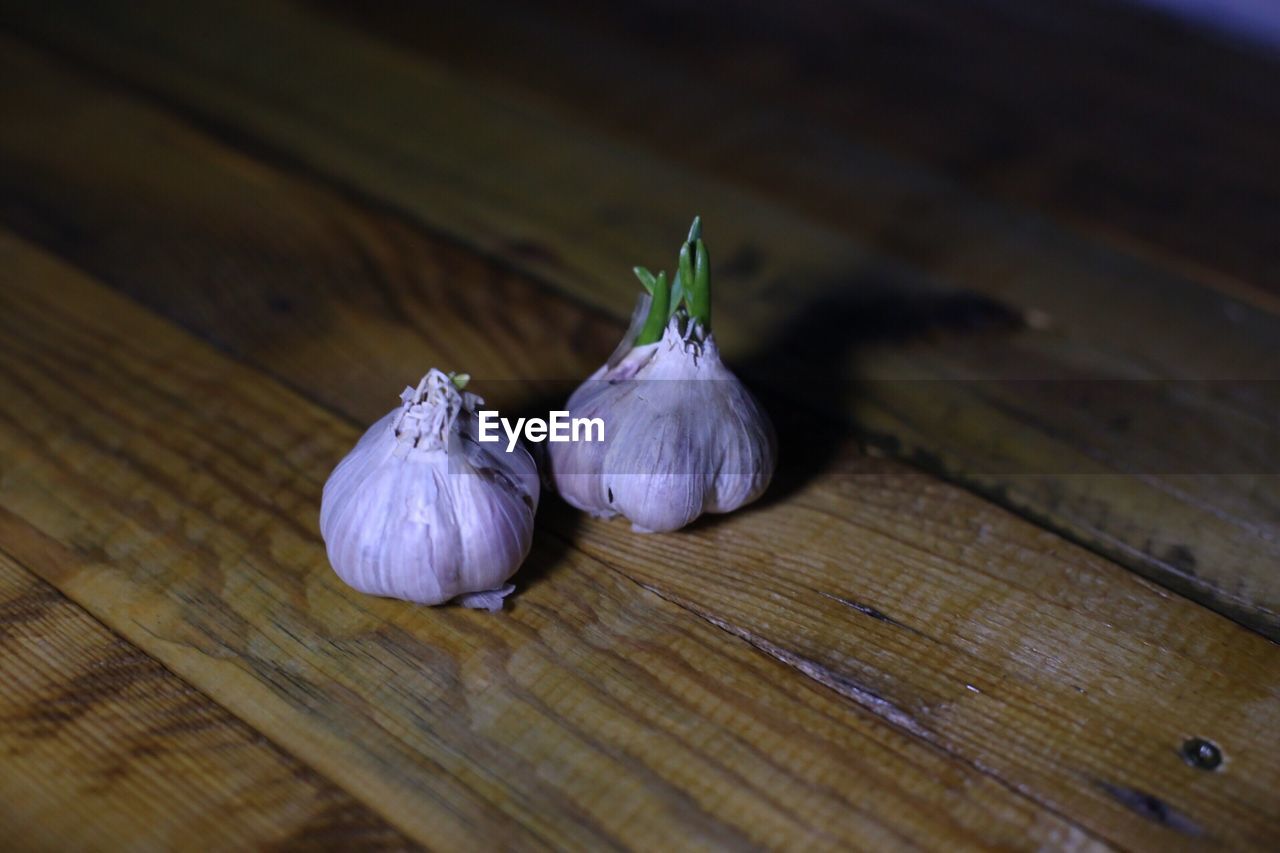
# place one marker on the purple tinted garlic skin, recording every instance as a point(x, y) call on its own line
point(422, 511)
point(683, 436)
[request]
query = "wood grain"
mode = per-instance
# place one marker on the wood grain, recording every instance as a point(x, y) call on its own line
point(1056, 672)
point(104, 749)
point(885, 254)
point(595, 713)
point(1149, 134)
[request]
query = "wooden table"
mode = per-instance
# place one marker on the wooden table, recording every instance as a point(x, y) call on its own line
point(1007, 276)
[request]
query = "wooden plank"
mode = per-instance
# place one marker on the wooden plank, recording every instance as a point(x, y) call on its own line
point(835, 296)
point(1155, 137)
point(594, 713)
point(998, 643)
point(103, 748)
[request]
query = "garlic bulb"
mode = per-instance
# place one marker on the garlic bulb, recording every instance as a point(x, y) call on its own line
point(682, 435)
point(420, 510)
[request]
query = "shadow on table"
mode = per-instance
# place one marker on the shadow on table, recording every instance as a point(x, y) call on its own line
point(811, 369)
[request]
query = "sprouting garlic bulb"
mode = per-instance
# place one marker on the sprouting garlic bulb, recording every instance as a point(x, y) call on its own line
point(682, 435)
point(420, 510)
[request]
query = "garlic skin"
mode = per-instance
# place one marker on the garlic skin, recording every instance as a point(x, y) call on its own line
point(420, 510)
point(682, 436)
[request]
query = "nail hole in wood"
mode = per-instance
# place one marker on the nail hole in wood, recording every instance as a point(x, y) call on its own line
point(1201, 753)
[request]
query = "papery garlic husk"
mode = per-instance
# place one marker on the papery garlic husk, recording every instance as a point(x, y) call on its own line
point(682, 436)
point(422, 511)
